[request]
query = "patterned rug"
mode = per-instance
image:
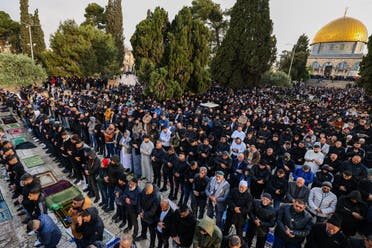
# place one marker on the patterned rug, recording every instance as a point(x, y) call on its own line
point(15, 131)
point(60, 199)
point(33, 161)
point(8, 119)
point(46, 178)
point(57, 187)
point(12, 126)
point(19, 140)
point(5, 213)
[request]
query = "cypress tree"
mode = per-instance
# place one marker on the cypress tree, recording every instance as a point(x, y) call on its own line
point(37, 36)
point(114, 26)
point(248, 49)
point(365, 73)
point(24, 34)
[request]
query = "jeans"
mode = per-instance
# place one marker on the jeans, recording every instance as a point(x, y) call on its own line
point(198, 205)
point(186, 191)
point(103, 189)
point(111, 196)
point(93, 141)
point(110, 150)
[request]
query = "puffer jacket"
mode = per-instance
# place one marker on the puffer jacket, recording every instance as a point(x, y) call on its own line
point(299, 223)
point(325, 201)
point(149, 205)
point(213, 238)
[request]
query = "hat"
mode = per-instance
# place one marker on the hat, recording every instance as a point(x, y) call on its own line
point(243, 183)
point(115, 159)
point(306, 167)
point(267, 195)
point(326, 167)
point(335, 220)
point(348, 173)
point(316, 144)
point(105, 162)
point(287, 155)
point(26, 176)
point(220, 173)
point(328, 184)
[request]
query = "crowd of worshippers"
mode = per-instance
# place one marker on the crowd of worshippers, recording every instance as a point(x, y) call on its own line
point(298, 160)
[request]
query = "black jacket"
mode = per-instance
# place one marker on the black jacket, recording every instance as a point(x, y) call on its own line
point(294, 192)
point(183, 228)
point(200, 184)
point(243, 201)
point(266, 215)
point(277, 183)
point(168, 222)
point(149, 205)
point(160, 156)
point(299, 223)
point(319, 238)
point(113, 173)
point(92, 230)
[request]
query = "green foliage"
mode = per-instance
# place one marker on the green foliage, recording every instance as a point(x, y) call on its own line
point(37, 36)
point(9, 32)
point(278, 78)
point(299, 71)
point(365, 73)
point(161, 87)
point(24, 34)
point(95, 15)
point(114, 15)
point(81, 51)
point(149, 43)
point(248, 49)
point(19, 69)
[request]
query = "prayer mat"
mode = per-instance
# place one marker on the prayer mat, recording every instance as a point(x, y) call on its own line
point(12, 126)
point(46, 178)
point(25, 145)
point(62, 198)
point(17, 141)
point(57, 187)
point(15, 131)
point(62, 214)
point(33, 161)
point(5, 213)
point(8, 119)
point(4, 109)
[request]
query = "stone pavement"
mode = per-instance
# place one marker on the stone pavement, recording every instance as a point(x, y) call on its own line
point(13, 232)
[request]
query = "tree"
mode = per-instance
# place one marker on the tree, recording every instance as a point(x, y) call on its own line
point(95, 15)
point(25, 21)
point(213, 16)
point(19, 69)
point(37, 36)
point(299, 71)
point(149, 43)
point(114, 27)
point(365, 73)
point(248, 49)
point(81, 51)
point(9, 32)
point(278, 78)
point(161, 87)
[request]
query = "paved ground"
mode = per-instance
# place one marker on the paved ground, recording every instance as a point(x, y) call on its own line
point(13, 232)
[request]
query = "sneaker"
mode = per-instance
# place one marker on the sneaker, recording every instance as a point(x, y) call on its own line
point(140, 238)
point(37, 243)
point(79, 182)
point(31, 233)
point(43, 145)
point(86, 188)
point(29, 130)
point(163, 189)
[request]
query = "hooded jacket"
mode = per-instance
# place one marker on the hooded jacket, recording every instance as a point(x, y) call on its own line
point(48, 233)
point(345, 207)
point(213, 236)
point(87, 204)
point(92, 230)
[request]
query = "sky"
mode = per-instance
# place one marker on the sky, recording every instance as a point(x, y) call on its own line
point(291, 18)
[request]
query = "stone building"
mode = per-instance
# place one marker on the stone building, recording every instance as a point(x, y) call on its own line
point(338, 48)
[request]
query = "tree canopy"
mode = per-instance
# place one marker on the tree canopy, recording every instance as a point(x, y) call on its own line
point(278, 78)
point(81, 51)
point(19, 69)
point(248, 49)
point(95, 15)
point(9, 32)
point(114, 26)
point(299, 71)
point(365, 73)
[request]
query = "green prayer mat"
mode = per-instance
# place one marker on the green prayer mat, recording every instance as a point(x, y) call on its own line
point(19, 140)
point(12, 126)
point(33, 161)
point(60, 199)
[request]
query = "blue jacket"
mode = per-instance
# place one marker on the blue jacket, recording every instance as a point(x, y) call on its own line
point(48, 233)
point(308, 176)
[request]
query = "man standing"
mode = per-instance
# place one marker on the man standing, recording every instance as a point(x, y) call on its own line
point(158, 159)
point(322, 202)
point(239, 204)
point(262, 217)
point(198, 196)
point(217, 191)
point(146, 148)
point(164, 225)
point(47, 231)
point(149, 205)
point(293, 225)
point(131, 197)
point(260, 176)
point(183, 227)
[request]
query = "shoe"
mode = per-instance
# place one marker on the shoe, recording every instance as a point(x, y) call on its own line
point(91, 195)
point(16, 203)
point(21, 213)
point(37, 243)
point(117, 220)
point(101, 204)
point(79, 183)
point(140, 238)
point(20, 208)
point(70, 176)
point(163, 189)
point(86, 189)
point(31, 233)
point(127, 229)
point(115, 216)
point(96, 200)
point(108, 210)
point(122, 225)
point(65, 171)
point(15, 196)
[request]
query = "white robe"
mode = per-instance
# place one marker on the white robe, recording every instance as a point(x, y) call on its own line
point(146, 149)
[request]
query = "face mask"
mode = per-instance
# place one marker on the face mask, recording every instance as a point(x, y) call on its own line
point(132, 188)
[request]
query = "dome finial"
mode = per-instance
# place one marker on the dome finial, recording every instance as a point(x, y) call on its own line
point(346, 9)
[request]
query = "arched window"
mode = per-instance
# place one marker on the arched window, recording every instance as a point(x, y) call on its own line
point(342, 66)
point(327, 64)
point(315, 65)
point(356, 66)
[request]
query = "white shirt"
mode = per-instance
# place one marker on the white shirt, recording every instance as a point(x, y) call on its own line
point(237, 134)
point(162, 216)
point(165, 138)
point(310, 155)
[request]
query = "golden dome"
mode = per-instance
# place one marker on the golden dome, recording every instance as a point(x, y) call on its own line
point(342, 29)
